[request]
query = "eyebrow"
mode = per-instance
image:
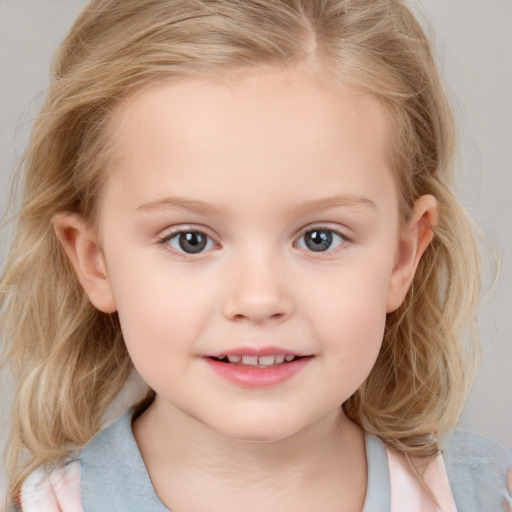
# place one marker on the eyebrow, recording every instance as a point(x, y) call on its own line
point(326, 203)
point(303, 207)
point(178, 203)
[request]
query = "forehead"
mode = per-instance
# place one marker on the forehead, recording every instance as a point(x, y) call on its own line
point(302, 91)
point(253, 130)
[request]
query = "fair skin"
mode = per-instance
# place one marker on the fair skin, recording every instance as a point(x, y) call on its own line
point(289, 183)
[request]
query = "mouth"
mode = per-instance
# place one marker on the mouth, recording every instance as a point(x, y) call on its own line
point(262, 368)
point(266, 361)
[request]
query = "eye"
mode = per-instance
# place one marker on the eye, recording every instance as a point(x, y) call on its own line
point(189, 242)
point(320, 240)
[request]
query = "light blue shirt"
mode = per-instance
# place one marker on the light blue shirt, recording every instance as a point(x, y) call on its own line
point(114, 477)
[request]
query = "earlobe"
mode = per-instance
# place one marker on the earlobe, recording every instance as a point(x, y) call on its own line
point(81, 245)
point(414, 240)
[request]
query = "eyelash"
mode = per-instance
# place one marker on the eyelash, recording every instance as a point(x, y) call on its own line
point(164, 241)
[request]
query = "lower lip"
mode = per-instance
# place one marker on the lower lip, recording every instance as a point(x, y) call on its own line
point(254, 377)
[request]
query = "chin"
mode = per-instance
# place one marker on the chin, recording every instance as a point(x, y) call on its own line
point(258, 432)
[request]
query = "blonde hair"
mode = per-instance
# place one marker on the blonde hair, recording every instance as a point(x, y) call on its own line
point(70, 358)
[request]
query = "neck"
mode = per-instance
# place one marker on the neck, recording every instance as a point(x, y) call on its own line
point(323, 464)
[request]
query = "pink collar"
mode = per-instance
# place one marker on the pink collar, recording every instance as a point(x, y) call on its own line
point(407, 493)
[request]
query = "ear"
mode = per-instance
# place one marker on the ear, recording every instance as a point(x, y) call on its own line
point(81, 245)
point(413, 241)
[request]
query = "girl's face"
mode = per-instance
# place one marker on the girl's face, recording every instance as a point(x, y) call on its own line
point(250, 219)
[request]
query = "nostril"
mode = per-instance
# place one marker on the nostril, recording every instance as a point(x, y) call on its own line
point(257, 307)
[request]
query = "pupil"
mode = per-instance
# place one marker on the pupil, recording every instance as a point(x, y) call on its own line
point(192, 242)
point(318, 240)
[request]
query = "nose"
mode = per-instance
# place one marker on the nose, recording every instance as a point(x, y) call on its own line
point(258, 292)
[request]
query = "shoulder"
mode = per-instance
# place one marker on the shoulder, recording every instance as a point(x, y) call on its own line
point(110, 439)
point(459, 442)
point(55, 491)
point(463, 449)
point(476, 466)
point(111, 450)
point(61, 489)
point(114, 476)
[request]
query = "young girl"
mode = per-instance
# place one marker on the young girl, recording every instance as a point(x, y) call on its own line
point(248, 203)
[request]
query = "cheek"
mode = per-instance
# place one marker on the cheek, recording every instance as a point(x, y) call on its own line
point(159, 333)
point(352, 302)
point(350, 317)
point(354, 351)
point(356, 338)
point(160, 315)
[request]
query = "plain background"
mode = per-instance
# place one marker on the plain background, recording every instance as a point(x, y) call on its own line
point(474, 43)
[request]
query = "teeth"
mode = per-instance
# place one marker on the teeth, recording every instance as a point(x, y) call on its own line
point(250, 360)
point(258, 361)
point(266, 360)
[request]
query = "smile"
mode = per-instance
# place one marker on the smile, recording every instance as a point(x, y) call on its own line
point(257, 361)
point(257, 371)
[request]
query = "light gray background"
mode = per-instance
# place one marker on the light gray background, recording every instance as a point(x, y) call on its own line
point(474, 43)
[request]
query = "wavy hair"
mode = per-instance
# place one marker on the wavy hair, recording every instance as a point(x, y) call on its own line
point(69, 359)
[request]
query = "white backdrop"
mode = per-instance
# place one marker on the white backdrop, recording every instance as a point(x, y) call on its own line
point(474, 42)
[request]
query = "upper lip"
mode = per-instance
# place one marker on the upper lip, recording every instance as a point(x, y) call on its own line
point(258, 351)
